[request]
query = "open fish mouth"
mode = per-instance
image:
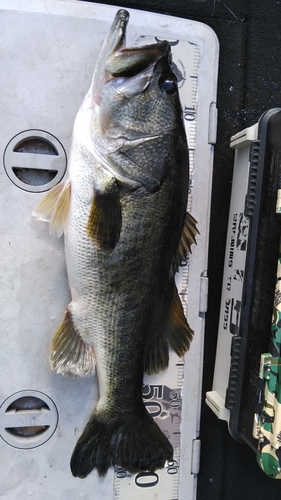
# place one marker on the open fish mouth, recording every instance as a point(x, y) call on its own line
point(116, 60)
point(116, 37)
point(130, 62)
point(115, 41)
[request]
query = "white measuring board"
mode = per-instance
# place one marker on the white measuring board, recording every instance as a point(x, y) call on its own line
point(48, 53)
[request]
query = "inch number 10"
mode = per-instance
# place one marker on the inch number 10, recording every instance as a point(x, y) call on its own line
point(189, 113)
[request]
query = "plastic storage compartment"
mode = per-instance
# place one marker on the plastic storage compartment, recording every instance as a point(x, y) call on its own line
point(249, 280)
point(48, 54)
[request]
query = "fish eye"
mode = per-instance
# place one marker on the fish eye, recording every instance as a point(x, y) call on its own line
point(168, 85)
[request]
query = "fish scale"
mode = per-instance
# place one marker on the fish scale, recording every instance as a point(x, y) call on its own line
point(165, 483)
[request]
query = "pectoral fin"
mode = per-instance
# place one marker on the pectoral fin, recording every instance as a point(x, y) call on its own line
point(188, 236)
point(105, 221)
point(69, 354)
point(54, 208)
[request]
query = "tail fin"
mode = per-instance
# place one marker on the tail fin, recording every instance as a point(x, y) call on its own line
point(135, 443)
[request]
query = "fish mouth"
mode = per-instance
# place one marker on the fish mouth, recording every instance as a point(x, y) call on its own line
point(116, 61)
point(115, 41)
point(128, 62)
point(116, 38)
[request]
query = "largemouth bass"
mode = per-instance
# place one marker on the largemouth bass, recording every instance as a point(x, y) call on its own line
point(123, 212)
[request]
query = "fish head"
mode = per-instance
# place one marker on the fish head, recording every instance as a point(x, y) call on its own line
point(140, 99)
point(136, 105)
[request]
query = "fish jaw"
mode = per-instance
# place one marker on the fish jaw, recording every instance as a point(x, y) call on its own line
point(129, 62)
point(115, 60)
point(115, 40)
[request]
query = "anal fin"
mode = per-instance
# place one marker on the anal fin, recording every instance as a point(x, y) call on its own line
point(104, 224)
point(173, 330)
point(69, 354)
point(157, 358)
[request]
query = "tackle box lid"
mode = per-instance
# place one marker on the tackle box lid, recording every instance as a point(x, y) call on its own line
point(48, 54)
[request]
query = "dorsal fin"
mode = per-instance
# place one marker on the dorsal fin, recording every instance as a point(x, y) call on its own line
point(188, 235)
